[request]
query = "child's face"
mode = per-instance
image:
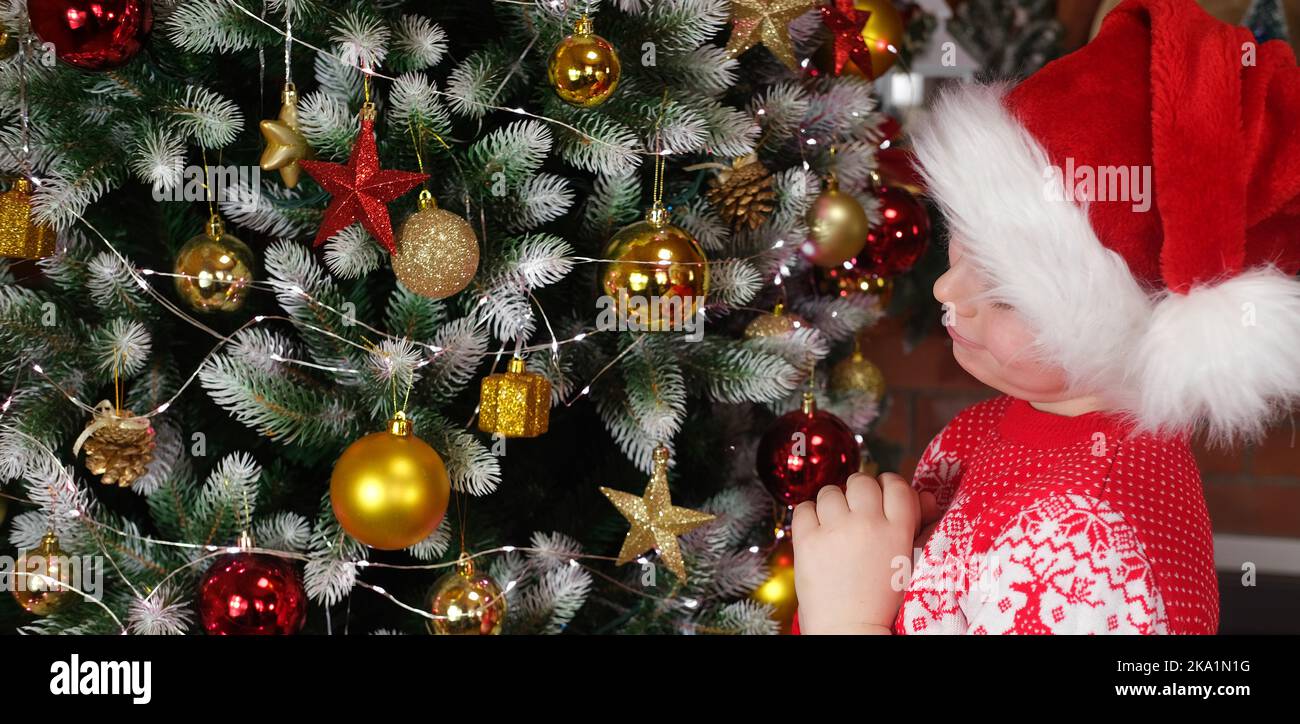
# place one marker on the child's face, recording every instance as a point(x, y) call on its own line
point(990, 340)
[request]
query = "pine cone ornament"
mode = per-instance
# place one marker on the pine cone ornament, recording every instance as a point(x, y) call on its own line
point(119, 445)
point(743, 193)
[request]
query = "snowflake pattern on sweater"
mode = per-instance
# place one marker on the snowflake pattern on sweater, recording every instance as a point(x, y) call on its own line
point(1058, 524)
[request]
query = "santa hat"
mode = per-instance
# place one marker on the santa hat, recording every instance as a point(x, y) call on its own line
point(1184, 314)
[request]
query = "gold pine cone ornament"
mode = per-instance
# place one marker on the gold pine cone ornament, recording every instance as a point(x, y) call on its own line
point(118, 444)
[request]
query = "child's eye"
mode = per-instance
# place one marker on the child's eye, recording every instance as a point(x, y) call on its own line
point(1002, 305)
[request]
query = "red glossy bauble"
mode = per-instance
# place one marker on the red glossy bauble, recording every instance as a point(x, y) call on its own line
point(252, 594)
point(895, 244)
point(92, 34)
point(804, 451)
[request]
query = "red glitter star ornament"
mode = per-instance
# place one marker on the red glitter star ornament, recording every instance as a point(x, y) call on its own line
point(361, 190)
point(846, 23)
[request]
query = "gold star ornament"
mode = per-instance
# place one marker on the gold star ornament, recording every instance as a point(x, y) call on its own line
point(285, 146)
point(766, 22)
point(655, 521)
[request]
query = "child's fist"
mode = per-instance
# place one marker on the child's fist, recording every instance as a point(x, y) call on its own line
point(853, 554)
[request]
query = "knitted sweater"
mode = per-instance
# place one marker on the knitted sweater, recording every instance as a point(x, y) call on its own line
point(1058, 524)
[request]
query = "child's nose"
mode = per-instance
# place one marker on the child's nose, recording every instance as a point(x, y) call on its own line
point(948, 291)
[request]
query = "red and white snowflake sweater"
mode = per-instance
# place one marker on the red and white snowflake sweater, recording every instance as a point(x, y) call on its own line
point(1058, 524)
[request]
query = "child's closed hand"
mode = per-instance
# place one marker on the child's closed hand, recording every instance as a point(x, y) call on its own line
point(852, 550)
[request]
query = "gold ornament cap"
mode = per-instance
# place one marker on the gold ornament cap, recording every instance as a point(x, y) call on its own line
point(400, 425)
point(583, 26)
point(809, 405)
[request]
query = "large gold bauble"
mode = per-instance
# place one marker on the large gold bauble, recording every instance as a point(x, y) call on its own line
point(859, 374)
point(584, 67)
point(658, 277)
point(214, 270)
point(778, 590)
point(437, 252)
point(390, 489)
point(837, 227)
point(33, 591)
point(467, 602)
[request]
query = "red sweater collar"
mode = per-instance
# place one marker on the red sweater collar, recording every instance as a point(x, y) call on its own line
point(1025, 424)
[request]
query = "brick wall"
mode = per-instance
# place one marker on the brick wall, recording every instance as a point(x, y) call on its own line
point(1254, 491)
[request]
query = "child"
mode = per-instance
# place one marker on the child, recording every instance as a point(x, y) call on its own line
point(1117, 323)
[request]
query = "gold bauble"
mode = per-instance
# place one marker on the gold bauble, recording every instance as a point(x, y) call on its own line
point(515, 404)
point(837, 227)
point(20, 237)
point(776, 323)
point(778, 590)
point(467, 602)
point(390, 489)
point(214, 270)
point(584, 67)
point(658, 276)
point(36, 594)
point(437, 252)
point(860, 374)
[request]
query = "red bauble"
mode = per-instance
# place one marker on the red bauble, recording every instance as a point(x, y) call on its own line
point(92, 34)
point(804, 451)
point(898, 241)
point(252, 594)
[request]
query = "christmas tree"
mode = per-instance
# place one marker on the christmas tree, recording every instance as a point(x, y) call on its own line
point(398, 370)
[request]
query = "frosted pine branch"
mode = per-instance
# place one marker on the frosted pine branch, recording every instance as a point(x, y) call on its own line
point(435, 545)
point(517, 150)
point(472, 85)
point(327, 124)
point(160, 612)
point(460, 345)
point(414, 104)
point(698, 217)
point(542, 198)
point(362, 40)
point(167, 450)
point(472, 467)
point(417, 43)
point(228, 499)
point(331, 568)
point(734, 282)
point(338, 81)
point(211, 120)
point(608, 147)
point(352, 253)
point(283, 531)
point(122, 345)
point(158, 157)
point(204, 26)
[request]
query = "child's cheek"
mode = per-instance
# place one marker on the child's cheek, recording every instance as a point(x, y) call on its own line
point(1011, 343)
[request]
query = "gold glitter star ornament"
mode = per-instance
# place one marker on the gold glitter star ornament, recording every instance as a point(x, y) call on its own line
point(285, 145)
point(655, 521)
point(766, 22)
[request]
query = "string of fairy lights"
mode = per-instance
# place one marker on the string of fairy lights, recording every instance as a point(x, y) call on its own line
point(140, 277)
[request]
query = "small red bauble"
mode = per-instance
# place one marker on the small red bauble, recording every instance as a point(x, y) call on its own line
point(92, 34)
point(898, 241)
point(804, 451)
point(252, 594)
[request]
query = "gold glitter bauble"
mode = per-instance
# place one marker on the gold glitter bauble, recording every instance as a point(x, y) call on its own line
point(659, 276)
point(584, 67)
point(776, 323)
point(778, 590)
point(467, 602)
point(655, 521)
point(20, 237)
point(837, 227)
point(390, 489)
point(285, 145)
point(39, 595)
point(119, 446)
point(515, 404)
point(858, 373)
point(214, 270)
point(437, 252)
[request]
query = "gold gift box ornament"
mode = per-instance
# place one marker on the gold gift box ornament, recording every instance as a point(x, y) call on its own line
point(20, 238)
point(516, 403)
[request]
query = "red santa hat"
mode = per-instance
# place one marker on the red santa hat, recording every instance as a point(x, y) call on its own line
point(1177, 302)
